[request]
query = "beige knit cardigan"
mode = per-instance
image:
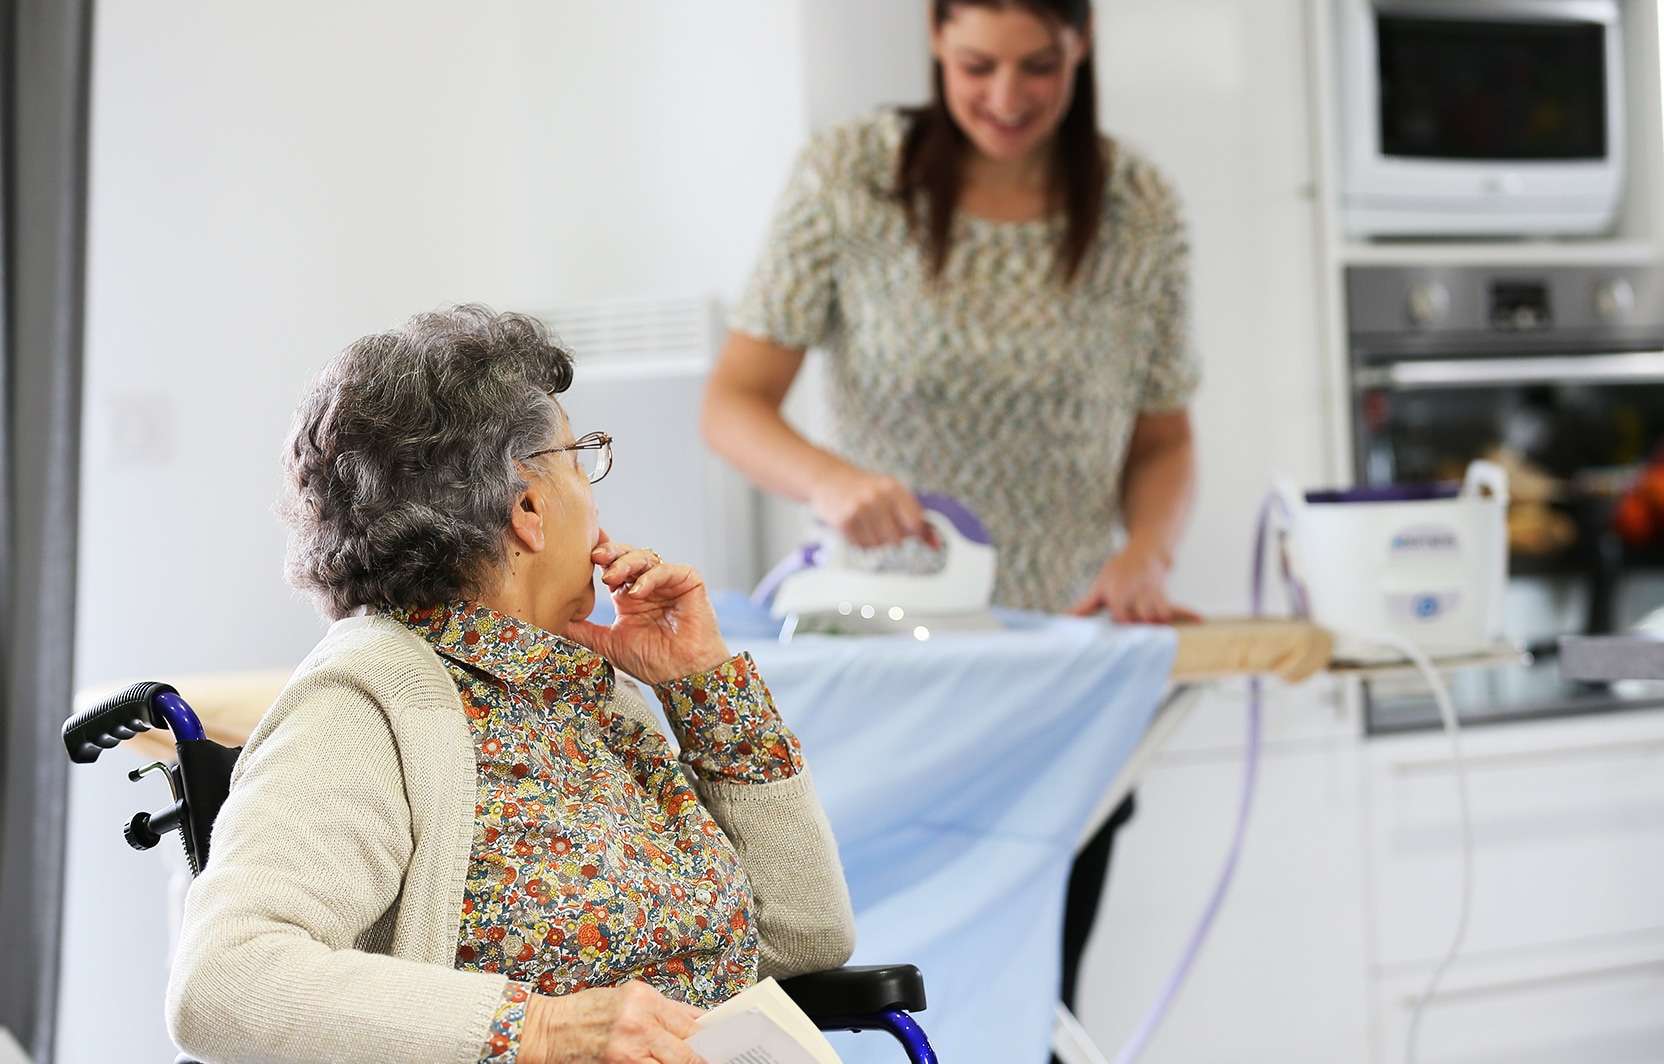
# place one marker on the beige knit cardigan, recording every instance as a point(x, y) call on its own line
point(325, 926)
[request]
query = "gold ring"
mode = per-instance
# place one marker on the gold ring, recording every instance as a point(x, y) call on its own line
point(655, 555)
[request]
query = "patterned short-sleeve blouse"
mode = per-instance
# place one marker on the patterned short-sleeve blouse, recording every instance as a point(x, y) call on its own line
point(997, 385)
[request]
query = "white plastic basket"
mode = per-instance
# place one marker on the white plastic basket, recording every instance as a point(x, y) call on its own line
point(1430, 570)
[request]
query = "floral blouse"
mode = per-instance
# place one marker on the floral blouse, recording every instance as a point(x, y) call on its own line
point(593, 862)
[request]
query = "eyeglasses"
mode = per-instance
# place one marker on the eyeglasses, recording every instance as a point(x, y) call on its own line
point(592, 453)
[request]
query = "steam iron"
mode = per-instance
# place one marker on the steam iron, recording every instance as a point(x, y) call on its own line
point(819, 589)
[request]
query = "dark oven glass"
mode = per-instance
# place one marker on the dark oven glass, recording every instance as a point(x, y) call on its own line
point(1491, 90)
point(1574, 452)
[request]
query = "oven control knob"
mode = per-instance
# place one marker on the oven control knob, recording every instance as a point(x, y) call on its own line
point(1614, 299)
point(1429, 303)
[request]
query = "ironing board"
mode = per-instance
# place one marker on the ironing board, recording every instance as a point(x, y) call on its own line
point(231, 703)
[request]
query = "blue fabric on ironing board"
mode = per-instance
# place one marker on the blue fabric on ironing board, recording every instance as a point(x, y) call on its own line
point(958, 775)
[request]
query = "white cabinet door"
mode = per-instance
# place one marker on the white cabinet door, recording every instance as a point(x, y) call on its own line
point(1587, 1004)
point(1568, 827)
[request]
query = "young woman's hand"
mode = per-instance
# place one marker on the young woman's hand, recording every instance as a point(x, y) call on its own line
point(870, 509)
point(665, 628)
point(629, 1024)
point(1132, 589)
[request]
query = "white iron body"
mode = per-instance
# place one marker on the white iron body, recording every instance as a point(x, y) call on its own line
point(832, 597)
point(1429, 571)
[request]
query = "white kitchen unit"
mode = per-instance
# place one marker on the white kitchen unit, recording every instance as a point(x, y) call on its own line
point(1566, 941)
point(1347, 893)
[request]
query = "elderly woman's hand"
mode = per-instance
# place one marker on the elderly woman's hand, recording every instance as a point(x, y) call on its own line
point(630, 1024)
point(665, 629)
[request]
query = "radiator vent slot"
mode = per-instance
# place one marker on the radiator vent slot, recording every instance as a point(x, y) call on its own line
point(638, 335)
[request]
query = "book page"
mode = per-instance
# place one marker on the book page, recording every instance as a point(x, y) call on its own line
point(766, 1023)
point(748, 1037)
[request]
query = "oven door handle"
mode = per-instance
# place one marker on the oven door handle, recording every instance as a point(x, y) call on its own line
point(1629, 367)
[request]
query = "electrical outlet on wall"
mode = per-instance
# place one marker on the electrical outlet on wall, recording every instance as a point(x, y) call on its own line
point(140, 427)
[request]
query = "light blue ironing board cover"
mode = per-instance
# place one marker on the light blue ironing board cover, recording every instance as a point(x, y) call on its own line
point(958, 775)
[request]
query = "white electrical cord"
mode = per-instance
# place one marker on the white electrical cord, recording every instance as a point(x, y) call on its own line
point(1447, 714)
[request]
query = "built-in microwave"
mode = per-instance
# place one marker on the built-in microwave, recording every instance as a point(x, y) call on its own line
point(1480, 117)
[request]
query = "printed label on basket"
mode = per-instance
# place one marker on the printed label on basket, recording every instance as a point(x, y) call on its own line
point(1425, 541)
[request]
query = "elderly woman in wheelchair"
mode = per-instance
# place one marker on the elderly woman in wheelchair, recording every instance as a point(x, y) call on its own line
point(459, 834)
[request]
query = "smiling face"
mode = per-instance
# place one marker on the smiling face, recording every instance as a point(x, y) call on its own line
point(1008, 76)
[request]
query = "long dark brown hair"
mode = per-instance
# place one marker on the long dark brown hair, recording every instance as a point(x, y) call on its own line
point(930, 174)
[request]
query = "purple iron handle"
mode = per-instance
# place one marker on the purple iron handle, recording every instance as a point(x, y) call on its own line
point(804, 557)
point(965, 522)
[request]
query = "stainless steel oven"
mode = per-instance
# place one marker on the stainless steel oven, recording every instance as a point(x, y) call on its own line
point(1558, 374)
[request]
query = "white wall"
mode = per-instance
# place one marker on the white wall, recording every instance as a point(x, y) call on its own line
point(858, 55)
point(862, 54)
point(1214, 92)
point(270, 182)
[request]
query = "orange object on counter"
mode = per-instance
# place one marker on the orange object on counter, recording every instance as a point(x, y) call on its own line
point(1650, 487)
point(1636, 522)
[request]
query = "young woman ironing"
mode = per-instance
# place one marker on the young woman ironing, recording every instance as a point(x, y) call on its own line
point(1001, 292)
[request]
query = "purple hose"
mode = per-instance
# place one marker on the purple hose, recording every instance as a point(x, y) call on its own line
point(1250, 774)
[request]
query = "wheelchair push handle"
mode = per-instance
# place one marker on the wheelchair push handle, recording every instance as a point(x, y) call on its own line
point(198, 780)
point(123, 715)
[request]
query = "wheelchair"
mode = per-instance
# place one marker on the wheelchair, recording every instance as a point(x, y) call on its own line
point(852, 998)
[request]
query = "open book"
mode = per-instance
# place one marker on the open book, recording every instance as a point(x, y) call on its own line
point(761, 1025)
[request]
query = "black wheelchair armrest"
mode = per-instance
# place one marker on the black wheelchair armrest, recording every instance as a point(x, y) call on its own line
point(857, 990)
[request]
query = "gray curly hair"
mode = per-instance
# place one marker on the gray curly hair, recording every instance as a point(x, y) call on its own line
point(400, 471)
